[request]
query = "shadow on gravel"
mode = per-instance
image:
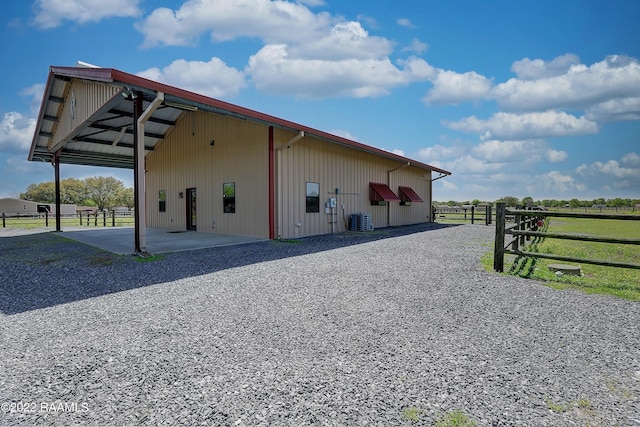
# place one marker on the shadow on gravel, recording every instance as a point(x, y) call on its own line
point(44, 270)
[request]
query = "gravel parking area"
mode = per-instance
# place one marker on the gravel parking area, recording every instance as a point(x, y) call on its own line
point(394, 327)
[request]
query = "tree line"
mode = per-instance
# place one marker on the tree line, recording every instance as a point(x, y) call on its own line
point(99, 191)
point(529, 202)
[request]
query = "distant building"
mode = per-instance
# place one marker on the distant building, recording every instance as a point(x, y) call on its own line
point(15, 207)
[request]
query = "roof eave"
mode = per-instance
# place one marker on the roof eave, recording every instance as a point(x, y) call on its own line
point(110, 75)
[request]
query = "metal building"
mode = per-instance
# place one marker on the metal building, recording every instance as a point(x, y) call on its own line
point(206, 165)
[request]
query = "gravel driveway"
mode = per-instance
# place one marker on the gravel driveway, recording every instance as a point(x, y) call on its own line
point(394, 327)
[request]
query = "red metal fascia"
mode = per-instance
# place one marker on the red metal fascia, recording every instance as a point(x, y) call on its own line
point(113, 75)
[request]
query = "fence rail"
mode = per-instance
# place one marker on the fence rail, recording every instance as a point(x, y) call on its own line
point(527, 223)
point(458, 213)
point(96, 219)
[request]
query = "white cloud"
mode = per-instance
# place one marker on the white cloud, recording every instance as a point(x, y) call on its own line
point(213, 78)
point(580, 86)
point(439, 152)
point(405, 22)
point(530, 151)
point(469, 164)
point(272, 70)
point(610, 167)
point(416, 46)
point(553, 182)
point(450, 87)
point(527, 69)
point(615, 110)
point(447, 184)
point(35, 92)
point(273, 22)
point(51, 13)
point(346, 40)
point(623, 174)
point(555, 156)
point(16, 132)
point(631, 159)
point(526, 126)
point(305, 54)
point(312, 3)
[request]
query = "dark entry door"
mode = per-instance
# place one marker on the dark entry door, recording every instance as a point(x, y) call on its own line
point(192, 217)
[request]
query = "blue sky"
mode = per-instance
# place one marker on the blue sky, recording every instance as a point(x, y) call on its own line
point(536, 99)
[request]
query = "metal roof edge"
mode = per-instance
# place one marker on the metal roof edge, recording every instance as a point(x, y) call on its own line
point(112, 75)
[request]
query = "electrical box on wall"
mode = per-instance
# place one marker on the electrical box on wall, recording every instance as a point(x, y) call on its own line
point(332, 202)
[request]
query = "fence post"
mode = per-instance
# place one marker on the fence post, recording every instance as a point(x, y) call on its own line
point(88, 217)
point(487, 215)
point(96, 220)
point(80, 216)
point(473, 211)
point(113, 218)
point(498, 250)
point(104, 218)
point(4, 220)
point(46, 218)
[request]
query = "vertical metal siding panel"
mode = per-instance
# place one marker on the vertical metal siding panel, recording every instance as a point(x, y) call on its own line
point(89, 97)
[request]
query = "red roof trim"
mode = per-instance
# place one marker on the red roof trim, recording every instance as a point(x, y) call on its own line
point(115, 76)
point(408, 195)
point(379, 192)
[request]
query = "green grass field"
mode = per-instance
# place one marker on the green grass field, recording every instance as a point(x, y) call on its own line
point(622, 282)
point(38, 222)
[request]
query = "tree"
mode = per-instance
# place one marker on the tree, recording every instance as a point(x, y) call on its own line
point(528, 201)
point(72, 191)
point(45, 192)
point(509, 200)
point(617, 202)
point(125, 197)
point(103, 190)
point(475, 202)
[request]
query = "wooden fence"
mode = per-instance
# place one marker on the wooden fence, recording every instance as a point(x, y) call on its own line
point(96, 219)
point(526, 225)
point(479, 214)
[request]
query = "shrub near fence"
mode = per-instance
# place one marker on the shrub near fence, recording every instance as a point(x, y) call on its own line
point(87, 219)
point(525, 226)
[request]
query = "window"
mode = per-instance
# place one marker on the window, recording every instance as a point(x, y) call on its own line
point(313, 197)
point(229, 197)
point(162, 201)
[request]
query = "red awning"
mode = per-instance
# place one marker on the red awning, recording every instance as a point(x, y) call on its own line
point(408, 195)
point(379, 192)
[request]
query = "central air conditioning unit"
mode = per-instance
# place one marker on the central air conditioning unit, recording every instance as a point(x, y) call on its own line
point(360, 222)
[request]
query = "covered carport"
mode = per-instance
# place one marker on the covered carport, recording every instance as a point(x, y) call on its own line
point(104, 117)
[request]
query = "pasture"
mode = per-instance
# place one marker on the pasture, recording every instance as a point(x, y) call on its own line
point(622, 282)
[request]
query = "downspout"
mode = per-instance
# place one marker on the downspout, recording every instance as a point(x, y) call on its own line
point(292, 141)
point(141, 226)
point(433, 217)
point(389, 185)
point(272, 182)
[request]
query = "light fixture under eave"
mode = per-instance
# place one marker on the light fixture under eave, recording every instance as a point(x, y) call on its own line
point(181, 106)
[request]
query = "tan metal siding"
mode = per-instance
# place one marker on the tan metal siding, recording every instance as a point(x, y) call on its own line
point(89, 98)
point(350, 171)
point(186, 159)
